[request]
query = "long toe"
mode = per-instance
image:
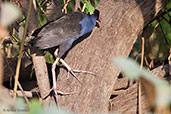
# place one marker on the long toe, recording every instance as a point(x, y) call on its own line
point(73, 74)
point(84, 71)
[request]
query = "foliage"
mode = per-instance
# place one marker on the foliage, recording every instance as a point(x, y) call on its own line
point(157, 36)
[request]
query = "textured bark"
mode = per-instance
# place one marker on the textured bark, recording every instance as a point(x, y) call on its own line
point(40, 67)
point(122, 21)
point(125, 101)
point(77, 5)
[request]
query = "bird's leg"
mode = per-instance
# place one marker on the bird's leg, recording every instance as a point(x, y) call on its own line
point(66, 65)
point(54, 75)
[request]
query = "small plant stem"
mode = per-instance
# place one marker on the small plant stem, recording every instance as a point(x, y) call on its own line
point(139, 85)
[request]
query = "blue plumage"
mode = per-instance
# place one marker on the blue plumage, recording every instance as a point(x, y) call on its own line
point(87, 25)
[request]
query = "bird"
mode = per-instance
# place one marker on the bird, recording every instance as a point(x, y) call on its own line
point(62, 33)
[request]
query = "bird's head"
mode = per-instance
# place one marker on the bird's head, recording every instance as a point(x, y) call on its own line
point(97, 15)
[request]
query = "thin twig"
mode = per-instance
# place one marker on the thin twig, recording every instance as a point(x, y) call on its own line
point(166, 19)
point(142, 53)
point(23, 93)
point(160, 14)
point(169, 61)
point(34, 4)
point(43, 2)
point(42, 8)
point(28, 94)
point(65, 6)
point(84, 6)
point(139, 85)
point(77, 5)
point(21, 50)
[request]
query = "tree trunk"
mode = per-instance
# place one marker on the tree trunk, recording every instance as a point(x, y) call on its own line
point(121, 23)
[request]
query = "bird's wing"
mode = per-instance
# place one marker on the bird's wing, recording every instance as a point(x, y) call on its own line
point(59, 31)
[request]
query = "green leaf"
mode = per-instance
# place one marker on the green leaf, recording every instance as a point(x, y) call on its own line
point(154, 23)
point(166, 29)
point(90, 7)
point(168, 6)
point(36, 107)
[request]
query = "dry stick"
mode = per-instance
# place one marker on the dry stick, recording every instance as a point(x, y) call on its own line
point(23, 93)
point(40, 67)
point(77, 5)
point(65, 6)
point(84, 6)
point(139, 86)
point(27, 93)
point(169, 61)
point(42, 9)
point(21, 50)
point(31, 94)
point(34, 5)
point(1, 67)
point(43, 2)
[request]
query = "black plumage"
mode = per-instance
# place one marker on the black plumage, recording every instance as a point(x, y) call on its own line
point(64, 31)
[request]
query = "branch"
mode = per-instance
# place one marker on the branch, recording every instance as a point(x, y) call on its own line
point(121, 23)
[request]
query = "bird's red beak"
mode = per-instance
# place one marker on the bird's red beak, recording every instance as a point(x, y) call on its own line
point(98, 21)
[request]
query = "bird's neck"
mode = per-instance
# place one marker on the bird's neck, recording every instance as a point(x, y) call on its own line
point(93, 18)
point(87, 24)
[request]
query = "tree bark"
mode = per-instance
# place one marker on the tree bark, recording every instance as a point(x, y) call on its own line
point(121, 23)
point(127, 97)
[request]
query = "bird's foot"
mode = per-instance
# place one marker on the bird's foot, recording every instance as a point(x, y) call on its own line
point(54, 92)
point(74, 71)
point(84, 71)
